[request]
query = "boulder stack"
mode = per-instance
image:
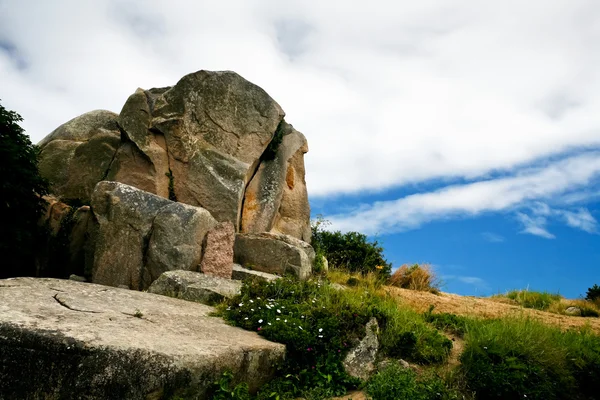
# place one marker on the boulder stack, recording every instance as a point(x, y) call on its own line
point(190, 177)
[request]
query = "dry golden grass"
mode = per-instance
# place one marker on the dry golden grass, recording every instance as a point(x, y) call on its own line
point(415, 277)
point(484, 307)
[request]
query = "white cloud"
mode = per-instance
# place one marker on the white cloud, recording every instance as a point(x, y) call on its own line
point(581, 219)
point(534, 225)
point(472, 199)
point(493, 237)
point(387, 93)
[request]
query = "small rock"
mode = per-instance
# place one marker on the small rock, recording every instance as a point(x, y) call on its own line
point(360, 360)
point(241, 274)
point(338, 286)
point(575, 311)
point(77, 278)
point(195, 286)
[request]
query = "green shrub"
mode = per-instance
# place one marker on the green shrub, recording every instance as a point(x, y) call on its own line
point(351, 251)
point(395, 382)
point(310, 320)
point(532, 299)
point(593, 293)
point(21, 205)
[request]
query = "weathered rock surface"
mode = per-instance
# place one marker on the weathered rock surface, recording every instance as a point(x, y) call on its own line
point(141, 235)
point(360, 361)
point(575, 311)
point(202, 142)
point(195, 286)
point(61, 339)
point(218, 251)
point(241, 274)
point(273, 253)
point(78, 154)
point(276, 199)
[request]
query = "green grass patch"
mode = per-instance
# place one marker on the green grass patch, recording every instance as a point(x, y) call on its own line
point(533, 299)
point(395, 382)
point(451, 323)
point(512, 358)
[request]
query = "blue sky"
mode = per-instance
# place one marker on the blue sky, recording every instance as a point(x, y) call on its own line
point(464, 134)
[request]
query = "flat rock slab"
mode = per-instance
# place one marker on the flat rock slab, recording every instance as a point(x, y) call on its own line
point(61, 339)
point(195, 286)
point(241, 274)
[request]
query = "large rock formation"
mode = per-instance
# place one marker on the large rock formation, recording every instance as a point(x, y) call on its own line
point(61, 339)
point(202, 142)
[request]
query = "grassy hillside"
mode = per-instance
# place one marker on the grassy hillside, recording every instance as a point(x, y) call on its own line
point(456, 347)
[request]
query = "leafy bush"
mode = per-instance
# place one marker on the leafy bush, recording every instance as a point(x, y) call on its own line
point(415, 277)
point(351, 251)
point(21, 188)
point(395, 382)
point(313, 324)
point(533, 299)
point(593, 293)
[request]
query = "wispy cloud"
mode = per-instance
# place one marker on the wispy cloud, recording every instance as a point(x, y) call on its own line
point(535, 225)
point(581, 219)
point(479, 284)
point(541, 214)
point(502, 194)
point(493, 237)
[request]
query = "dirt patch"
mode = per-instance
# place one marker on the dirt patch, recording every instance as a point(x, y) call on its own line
point(485, 308)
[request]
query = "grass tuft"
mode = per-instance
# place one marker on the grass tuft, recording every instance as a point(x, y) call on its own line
point(415, 277)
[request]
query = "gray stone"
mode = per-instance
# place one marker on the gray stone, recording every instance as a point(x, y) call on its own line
point(338, 286)
point(77, 278)
point(178, 232)
point(275, 254)
point(195, 286)
point(575, 311)
point(141, 235)
point(360, 360)
point(240, 273)
point(61, 339)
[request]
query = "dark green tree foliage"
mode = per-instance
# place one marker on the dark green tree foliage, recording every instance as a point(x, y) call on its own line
point(351, 251)
point(593, 293)
point(21, 205)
